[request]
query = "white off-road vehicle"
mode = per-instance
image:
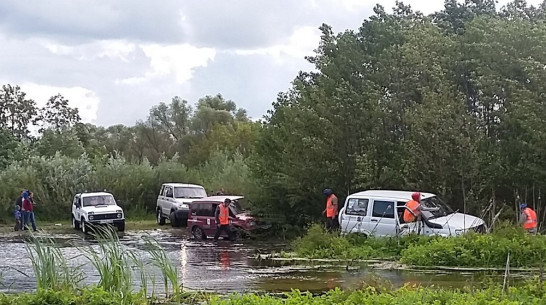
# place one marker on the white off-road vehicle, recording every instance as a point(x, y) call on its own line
point(173, 201)
point(96, 209)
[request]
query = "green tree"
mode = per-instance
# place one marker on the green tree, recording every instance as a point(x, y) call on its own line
point(16, 111)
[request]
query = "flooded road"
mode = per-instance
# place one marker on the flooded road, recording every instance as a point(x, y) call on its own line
point(221, 267)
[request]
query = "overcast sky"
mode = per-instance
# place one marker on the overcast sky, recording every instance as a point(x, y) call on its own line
point(114, 60)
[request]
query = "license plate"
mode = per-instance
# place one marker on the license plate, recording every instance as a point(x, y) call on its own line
point(105, 221)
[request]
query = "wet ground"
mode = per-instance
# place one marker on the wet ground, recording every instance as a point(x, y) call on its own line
point(221, 267)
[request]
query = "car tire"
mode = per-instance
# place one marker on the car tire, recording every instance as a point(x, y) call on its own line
point(159, 218)
point(84, 227)
point(198, 233)
point(174, 221)
point(121, 226)
point(75, 223)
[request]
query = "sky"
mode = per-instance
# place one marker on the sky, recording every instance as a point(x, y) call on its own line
point(114, 60)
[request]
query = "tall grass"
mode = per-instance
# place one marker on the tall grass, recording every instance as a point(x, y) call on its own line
point(50, 266)
point(168, 270)
point(112, 262)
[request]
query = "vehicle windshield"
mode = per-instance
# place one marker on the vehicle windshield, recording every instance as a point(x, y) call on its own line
point(435, 202)
point(236, 207)
point(189, 192)
point(89, 201)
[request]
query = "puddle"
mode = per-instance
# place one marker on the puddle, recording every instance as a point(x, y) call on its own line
point(221, 267)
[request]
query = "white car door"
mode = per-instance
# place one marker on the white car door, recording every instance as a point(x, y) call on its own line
point(355, 214)
point(165, 204)
point(382, 221)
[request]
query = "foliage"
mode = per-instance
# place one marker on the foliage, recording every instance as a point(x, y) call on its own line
point(470, 250)
point(54, 180)
point(449, 103)
point(319, 244)
point(532, 293)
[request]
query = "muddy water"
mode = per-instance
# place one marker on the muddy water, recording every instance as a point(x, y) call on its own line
point(221, 267)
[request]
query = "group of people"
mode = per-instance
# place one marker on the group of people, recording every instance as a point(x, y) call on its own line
point(528, 217)
point(24, 211)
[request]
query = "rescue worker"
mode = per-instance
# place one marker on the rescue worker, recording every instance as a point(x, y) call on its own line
point(416, 208)
point(222, 219)
point(331, 210)
point(528, 218)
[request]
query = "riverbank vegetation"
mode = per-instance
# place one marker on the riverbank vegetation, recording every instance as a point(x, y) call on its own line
point(450, 103)
point(533, 292)
point(470, 250)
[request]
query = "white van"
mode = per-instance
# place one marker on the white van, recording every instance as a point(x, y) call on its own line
point(380, 213)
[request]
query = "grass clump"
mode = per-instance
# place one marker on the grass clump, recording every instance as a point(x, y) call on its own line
point(469, 250)
point(50, 266)
point(532, 293)
point(318, 243)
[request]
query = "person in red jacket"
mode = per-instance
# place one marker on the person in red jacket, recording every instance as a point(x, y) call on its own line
point(28, 211)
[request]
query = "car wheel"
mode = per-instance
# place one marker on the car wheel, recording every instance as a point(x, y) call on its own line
point(121, 226)
point(84, 227)
point(173, 220)
point(198, 233)
point(75, 223)
point(159, 218)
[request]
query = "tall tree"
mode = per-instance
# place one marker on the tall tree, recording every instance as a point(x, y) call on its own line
point(16, 111)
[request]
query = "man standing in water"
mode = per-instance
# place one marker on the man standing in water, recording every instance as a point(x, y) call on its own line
point(222, 219)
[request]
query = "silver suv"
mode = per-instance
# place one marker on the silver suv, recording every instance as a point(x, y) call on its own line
point(173, 200)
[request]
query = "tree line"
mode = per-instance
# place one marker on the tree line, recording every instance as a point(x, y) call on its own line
point(450, 103)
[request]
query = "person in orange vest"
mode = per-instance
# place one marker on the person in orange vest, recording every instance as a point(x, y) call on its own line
point(331, 210)
point(222, 219)
point(528, 218)
point(415, 208)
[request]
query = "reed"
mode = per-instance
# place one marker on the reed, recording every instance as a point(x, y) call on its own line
point(169, 272)
point(50, 266)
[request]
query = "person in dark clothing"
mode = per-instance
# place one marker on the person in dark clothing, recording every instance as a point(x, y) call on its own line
point(28, 214)
point(19, 203)
point(17, 215)
point(222, 219)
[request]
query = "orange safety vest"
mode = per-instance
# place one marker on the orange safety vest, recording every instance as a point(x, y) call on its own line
point(414, 207)
point(224, 215)
point(531, 219)
point(331, 209)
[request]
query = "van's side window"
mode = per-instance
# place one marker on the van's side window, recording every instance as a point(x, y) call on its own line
point(357, 207)
point(169, 192)
point(383, 209)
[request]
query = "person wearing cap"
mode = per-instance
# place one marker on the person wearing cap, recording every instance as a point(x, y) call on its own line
point(331, 210)
point(528, 218)
point(222, 219)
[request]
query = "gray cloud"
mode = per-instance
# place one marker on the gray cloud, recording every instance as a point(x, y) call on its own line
point(132, 54)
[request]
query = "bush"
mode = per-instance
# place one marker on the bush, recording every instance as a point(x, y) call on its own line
point(470, 250)
point(319, 244)
point(54, 181)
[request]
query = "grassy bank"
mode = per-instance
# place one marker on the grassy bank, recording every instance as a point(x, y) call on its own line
point(532, 293)
point(65, 226)
point(471, 250)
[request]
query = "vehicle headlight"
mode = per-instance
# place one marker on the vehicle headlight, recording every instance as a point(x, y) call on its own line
point(459, 232)
point(91, 217)
point(91, 213)
point(183, 205)
point(251, 223)
point(119, 211)
point(119, 215)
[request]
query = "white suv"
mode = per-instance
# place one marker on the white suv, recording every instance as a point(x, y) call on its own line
point(95, 209)
point(173, 200)
point(380, 213)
